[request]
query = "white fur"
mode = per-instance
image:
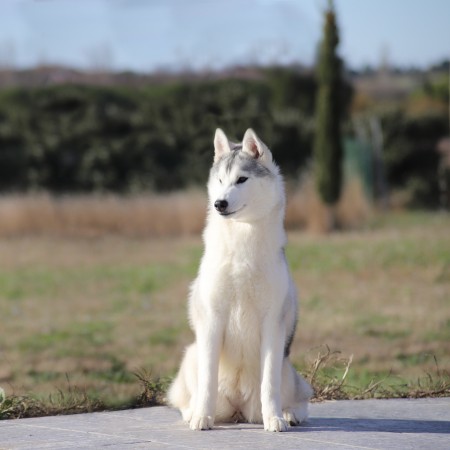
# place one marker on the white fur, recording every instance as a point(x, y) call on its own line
point(242, 306)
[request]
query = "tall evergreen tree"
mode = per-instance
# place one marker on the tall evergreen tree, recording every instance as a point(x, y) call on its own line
point(327, 144)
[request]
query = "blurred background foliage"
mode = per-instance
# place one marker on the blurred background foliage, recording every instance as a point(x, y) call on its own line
point(128, 139)
point(124, 139)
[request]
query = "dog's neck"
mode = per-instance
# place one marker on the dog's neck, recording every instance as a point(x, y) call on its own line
point(265, 235)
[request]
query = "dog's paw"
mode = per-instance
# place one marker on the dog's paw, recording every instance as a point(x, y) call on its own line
point(201, 423)
point(275, 424)
point(295, 416)
point(290, 418)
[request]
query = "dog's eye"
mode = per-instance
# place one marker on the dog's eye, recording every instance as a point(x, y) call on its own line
point(241, 180)
point(220, 181)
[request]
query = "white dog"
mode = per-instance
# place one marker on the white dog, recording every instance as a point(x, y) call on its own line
point(243, 304)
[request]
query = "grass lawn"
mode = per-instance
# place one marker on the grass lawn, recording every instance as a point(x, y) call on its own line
point(81, 316)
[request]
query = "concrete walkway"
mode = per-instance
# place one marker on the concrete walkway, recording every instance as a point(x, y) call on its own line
point(366, 424)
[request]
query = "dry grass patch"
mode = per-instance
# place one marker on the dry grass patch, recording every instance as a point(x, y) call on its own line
point(180, 213)
point(152, 215)
point(305, 209)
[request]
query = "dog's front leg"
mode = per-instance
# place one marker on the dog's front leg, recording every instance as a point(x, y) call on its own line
point(209, 339)
point(272, 354)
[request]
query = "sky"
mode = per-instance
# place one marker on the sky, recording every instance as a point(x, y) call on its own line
point(150, 35)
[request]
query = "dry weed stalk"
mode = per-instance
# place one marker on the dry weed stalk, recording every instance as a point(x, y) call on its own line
point(372, 388)
point(332, 389)
point(435, 385)
point(153, 389)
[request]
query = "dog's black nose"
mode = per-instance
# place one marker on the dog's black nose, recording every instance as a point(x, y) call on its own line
point(221, 205)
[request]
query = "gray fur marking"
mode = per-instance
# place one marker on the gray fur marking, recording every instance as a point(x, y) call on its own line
point(290, 339)
point(230, 160)
point(253, 167)
point(248, 164)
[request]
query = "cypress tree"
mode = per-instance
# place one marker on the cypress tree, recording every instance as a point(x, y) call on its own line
point(327, 144)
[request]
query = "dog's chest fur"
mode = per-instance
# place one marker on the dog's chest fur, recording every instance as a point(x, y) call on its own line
point(249, 287)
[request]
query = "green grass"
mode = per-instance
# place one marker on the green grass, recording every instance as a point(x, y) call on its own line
point(48, 282)
point(392, 251)
point(441, 333)
point(166, 337)
point(93, 334)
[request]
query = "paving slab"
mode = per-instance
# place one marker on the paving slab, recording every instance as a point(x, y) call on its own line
point(363, 424)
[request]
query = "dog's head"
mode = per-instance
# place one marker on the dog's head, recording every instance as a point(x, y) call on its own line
point(244, 181)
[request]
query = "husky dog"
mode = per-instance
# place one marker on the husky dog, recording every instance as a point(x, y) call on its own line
point(243, 303)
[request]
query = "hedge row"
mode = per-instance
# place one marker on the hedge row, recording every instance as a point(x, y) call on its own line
point(78, 138)
point(123, 139)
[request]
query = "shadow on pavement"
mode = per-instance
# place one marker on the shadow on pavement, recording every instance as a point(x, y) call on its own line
point(380, 425)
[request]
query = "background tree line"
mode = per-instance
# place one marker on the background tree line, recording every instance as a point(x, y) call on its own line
point(125, 139)
point(82, 139)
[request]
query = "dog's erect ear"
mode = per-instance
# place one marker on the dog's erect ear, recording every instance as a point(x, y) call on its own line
point(221, 144)
point(255, 147)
